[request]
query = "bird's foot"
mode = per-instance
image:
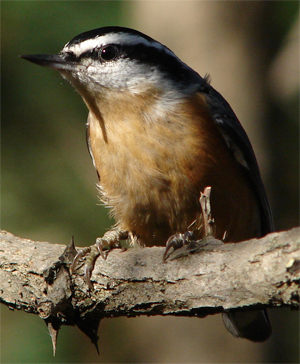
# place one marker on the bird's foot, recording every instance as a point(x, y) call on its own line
point(110, 240)
point(177, 241)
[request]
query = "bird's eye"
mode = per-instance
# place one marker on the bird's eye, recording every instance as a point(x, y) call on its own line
point(108, 53)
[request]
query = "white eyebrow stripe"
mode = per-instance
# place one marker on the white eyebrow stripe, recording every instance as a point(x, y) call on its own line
point(115, 38)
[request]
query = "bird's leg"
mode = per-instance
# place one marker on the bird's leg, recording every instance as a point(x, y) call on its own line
point(177, 241)
point(110, 240)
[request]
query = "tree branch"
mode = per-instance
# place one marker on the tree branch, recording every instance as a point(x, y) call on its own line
point(201, 278)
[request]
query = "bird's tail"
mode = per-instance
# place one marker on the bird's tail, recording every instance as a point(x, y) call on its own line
point(251, 325)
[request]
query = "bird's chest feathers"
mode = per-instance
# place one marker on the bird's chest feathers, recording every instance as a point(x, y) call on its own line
point(143, 154)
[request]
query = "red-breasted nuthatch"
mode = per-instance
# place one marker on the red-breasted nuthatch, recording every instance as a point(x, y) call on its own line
point(158, 134)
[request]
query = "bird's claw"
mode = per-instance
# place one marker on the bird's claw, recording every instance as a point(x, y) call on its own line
point(177, 241)
point(83, 252)
point(103, 246)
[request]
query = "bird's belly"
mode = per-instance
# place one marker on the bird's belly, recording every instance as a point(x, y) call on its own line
point(153, 205)
point(150, 204)
point(152, 173)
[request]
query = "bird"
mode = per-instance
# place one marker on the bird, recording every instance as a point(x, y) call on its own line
point(159, 134)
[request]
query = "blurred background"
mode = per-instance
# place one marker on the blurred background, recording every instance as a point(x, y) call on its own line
point(251, 51)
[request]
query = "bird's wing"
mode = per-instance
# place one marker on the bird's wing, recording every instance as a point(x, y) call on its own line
point(240, 146)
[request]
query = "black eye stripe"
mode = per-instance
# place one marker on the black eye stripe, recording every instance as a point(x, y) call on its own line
point(108, 52)
point(70, 57)
point(147, 55)
point(139, 52)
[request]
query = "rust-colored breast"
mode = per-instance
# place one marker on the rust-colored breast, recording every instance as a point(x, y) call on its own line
point(153, 165)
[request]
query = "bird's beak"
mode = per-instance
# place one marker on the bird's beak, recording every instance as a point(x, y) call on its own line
point(55, 61)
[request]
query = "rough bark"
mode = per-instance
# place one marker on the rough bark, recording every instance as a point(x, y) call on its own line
point(201, 278)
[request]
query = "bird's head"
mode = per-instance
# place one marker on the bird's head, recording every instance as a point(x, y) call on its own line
point(120, 59)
